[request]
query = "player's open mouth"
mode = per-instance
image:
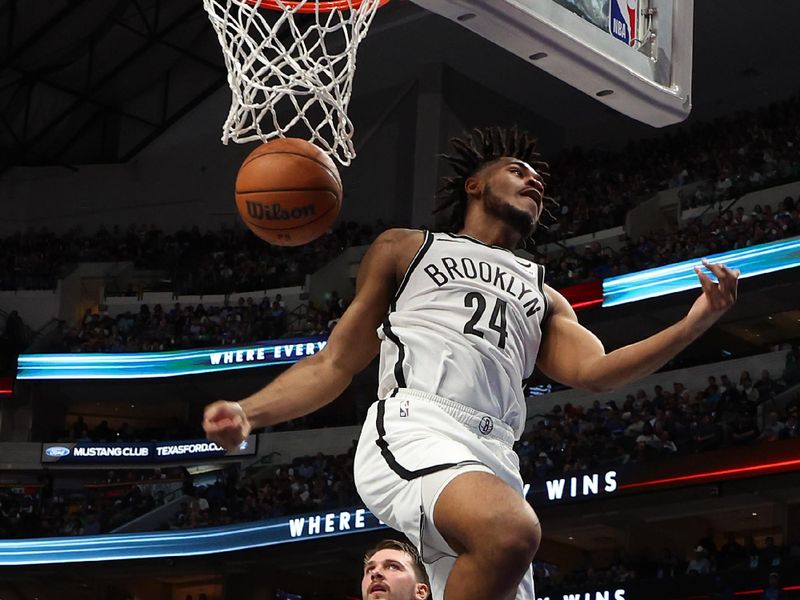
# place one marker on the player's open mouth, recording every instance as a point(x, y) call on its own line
point(377, 587)
point(534, 195)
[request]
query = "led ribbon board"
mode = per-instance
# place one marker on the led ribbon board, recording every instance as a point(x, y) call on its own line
point(346, 521)
point(189, 542)
point(141, 452)
point(719, 465)
point(143, 365)
point(679, 277)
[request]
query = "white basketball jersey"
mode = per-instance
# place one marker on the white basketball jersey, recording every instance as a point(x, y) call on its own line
point(465, 324)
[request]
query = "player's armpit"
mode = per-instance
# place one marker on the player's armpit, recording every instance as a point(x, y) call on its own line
point(354, 341)
point(319, 379)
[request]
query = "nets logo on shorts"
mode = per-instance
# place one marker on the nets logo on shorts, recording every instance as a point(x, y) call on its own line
point(486, 425)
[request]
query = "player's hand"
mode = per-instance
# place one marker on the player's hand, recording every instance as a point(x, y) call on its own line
point(717, 298)
point(226, 424)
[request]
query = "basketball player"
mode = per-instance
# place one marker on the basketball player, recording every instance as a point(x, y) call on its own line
point(461, 322)
point(393, 571)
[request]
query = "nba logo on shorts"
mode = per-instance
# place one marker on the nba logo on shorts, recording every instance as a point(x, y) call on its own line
point(486, 425)
point(623, 21)
point(404, 408)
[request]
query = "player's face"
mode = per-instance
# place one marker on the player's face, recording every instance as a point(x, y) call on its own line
point(389, 575)
point(514, 192)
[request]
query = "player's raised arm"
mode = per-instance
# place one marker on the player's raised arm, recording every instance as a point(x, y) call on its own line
point(317, 380)
point(573, 355)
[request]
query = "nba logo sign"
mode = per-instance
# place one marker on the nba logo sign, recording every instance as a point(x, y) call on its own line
point(623, 20)
point(404, 408)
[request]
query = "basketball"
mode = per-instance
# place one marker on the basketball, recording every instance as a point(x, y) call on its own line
point(288, 192)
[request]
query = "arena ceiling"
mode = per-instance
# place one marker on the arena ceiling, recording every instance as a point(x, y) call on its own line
point(96, 81)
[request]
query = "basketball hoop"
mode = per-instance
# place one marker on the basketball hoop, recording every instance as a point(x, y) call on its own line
point(291, 67)
point(310, 7)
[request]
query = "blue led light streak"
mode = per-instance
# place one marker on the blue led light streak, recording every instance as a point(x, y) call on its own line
point(186, 542)
point(144, 365)
point(678, 277)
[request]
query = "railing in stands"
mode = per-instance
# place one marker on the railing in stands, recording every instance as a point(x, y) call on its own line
point(260, 463)
point(161, 513)
point(44, 337)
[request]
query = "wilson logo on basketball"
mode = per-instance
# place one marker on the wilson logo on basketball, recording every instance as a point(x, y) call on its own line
point(275, 212)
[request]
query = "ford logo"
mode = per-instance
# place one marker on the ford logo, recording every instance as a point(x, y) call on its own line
point(57, 451)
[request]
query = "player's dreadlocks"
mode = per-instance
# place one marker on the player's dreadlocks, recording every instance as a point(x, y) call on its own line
point(476, 149)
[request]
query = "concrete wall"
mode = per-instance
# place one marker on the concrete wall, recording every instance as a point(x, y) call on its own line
point(292, 444)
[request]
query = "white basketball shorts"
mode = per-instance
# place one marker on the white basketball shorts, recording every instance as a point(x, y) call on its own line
point(411, 446)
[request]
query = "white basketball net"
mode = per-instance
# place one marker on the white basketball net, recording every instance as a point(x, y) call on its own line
point(287, 68)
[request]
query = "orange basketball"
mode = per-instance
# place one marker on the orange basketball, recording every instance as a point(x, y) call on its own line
point(288, 192)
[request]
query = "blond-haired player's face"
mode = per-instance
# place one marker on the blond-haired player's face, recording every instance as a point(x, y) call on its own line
point(514, 192)
point(389, 575)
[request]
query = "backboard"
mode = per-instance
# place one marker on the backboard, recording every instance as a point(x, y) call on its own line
point(633, 55)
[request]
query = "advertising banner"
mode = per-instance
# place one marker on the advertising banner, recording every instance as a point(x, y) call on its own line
point(141, 452)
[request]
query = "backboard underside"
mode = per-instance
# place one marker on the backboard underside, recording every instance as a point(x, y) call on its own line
point(633, 55)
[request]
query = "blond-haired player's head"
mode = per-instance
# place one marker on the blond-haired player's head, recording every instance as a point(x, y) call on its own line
point(393, 570)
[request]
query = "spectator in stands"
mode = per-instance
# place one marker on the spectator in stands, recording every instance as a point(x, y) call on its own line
point(744, 429)
point(712, 392)
point(746, 389)
point(774, 590)
point(791, 371)
point(706, 434)
point(773, 428)
point(699, 565)
point(752, 552)
point(667, 565)
point(667, 447)
point(732, 554)
point(770, 555)
point(708, 544)
point(792, 428)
